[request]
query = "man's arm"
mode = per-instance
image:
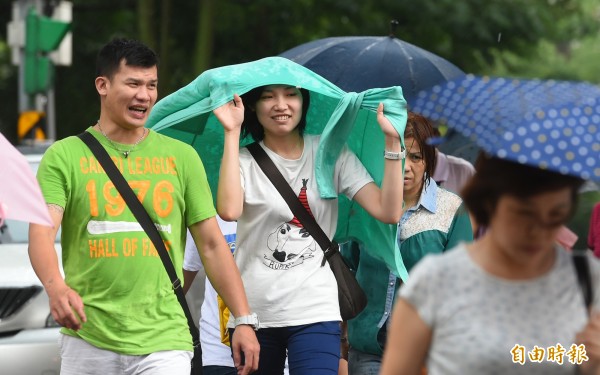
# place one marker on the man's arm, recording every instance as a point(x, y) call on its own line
point(65, 304)
point(225, 278)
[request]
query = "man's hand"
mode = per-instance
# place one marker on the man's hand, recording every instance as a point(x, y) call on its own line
point(67, 307)
point(244, 342)
point(66, 304)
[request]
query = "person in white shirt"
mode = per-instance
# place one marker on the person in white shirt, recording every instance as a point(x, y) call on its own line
point(216, 356)
point(451, 172)
point(293, 294)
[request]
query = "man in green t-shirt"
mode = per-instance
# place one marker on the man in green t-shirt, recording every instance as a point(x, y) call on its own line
point(116, 302)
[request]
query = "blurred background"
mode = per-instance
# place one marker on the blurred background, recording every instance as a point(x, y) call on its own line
point(546, 39)
point(518, 38)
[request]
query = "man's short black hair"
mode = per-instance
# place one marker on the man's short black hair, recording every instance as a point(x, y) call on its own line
point(134, 53)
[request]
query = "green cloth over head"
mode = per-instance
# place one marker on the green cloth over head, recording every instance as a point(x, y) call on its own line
point(339, 117)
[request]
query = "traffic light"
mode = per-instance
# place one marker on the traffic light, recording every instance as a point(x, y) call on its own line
point(42, 35)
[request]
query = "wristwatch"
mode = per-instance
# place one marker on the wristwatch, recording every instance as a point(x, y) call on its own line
point(251, 320)
point(394, 155)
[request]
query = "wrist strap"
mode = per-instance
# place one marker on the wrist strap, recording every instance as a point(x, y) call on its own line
point(144, 220)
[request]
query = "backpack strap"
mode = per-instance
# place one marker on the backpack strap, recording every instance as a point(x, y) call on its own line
point(582, 268)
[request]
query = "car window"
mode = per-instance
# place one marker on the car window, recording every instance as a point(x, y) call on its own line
point(14, 231)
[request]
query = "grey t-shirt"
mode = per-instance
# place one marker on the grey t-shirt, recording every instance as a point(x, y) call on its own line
point(480, 320)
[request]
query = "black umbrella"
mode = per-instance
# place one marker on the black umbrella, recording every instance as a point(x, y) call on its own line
point(358, 63)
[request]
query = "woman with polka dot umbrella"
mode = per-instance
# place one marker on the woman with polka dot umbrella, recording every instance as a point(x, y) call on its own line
point(552, 125)
point(510, 302)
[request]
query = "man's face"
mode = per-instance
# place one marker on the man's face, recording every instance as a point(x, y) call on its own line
point(130, 95)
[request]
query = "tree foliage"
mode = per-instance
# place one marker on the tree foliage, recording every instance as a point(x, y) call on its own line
point(545, 38)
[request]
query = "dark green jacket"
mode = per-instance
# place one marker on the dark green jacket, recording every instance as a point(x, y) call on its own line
point(436, 224)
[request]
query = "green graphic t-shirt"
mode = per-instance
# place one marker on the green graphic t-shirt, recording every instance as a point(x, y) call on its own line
point(107, 257)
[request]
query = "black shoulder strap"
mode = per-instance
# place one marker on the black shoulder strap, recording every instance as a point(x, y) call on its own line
point(145, 221)
point(580, 261)
point(268, 167)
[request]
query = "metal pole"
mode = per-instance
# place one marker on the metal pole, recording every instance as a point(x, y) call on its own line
point(44, 102)
point(50, 115)
point(19, 11)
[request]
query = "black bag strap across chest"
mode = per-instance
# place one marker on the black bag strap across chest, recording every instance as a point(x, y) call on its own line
point(308, 221)
point(584, 279)
point(145, 221)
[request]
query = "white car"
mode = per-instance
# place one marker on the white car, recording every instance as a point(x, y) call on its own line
point(28, 333)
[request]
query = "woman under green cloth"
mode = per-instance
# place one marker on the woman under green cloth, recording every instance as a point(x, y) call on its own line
point(281, 265)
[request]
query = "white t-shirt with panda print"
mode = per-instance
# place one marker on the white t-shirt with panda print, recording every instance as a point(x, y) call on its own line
point(279, 261)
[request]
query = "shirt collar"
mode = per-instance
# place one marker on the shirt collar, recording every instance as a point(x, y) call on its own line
point(428, 201)
point(428, 196)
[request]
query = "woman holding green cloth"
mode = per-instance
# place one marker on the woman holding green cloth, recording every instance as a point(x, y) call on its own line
point(294, 296)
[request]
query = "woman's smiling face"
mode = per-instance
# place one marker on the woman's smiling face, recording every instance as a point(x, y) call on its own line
point(279, 109)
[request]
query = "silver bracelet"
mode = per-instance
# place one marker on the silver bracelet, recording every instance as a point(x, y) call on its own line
point(394, 155)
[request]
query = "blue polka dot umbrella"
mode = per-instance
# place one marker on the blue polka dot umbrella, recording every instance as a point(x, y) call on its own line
point(549, 124)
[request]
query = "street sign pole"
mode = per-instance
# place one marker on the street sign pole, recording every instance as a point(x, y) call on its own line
point(16, 37)
point(61, 56)
point(50, 114)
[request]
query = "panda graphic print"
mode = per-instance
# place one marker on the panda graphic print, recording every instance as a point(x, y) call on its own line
point(290, 243)
point(279, 261)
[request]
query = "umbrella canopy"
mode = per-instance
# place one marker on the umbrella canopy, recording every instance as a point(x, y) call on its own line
point(358, 63)
point(20, 195)
point(548, 124)
point(339, 117)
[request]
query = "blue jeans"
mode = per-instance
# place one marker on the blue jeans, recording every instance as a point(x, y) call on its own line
point(312, 349)
point(218, 370)
point(361, 363)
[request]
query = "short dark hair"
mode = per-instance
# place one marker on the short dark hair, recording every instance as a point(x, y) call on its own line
point(134, 53)
point(420, 129)
point(497, 177)
point(252, 127)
